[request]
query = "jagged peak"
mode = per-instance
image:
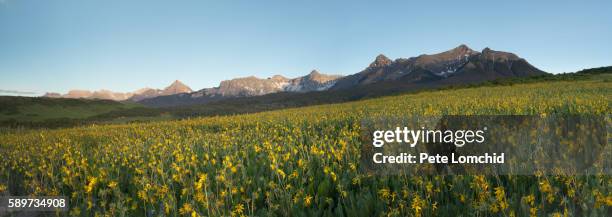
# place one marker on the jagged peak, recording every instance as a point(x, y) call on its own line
point(463, 48)
point(380, 61)
point(315, 75)
point(489, 53)
point(177, 82)
point(314, 72)
point(178, 86)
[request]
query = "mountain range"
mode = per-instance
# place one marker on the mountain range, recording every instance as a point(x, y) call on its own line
point(176, 87)
point(460, 65)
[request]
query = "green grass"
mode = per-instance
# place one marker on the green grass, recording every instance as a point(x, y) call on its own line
point(34, 109)
point(39, 112)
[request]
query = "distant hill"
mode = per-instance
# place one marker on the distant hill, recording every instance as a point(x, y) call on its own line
point(177, 87)
point(15, 110)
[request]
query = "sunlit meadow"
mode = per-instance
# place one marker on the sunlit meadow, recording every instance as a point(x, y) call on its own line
point(294, 162)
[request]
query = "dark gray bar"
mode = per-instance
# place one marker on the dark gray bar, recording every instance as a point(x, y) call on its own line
point(33, 203)
point(513, 145)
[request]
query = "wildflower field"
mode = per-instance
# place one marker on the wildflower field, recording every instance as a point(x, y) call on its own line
point(295, 162)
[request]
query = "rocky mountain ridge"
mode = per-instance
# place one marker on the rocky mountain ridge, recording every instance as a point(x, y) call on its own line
point(253, 86)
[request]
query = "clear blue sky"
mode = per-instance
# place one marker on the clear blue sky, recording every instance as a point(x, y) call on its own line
point(57, 45)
